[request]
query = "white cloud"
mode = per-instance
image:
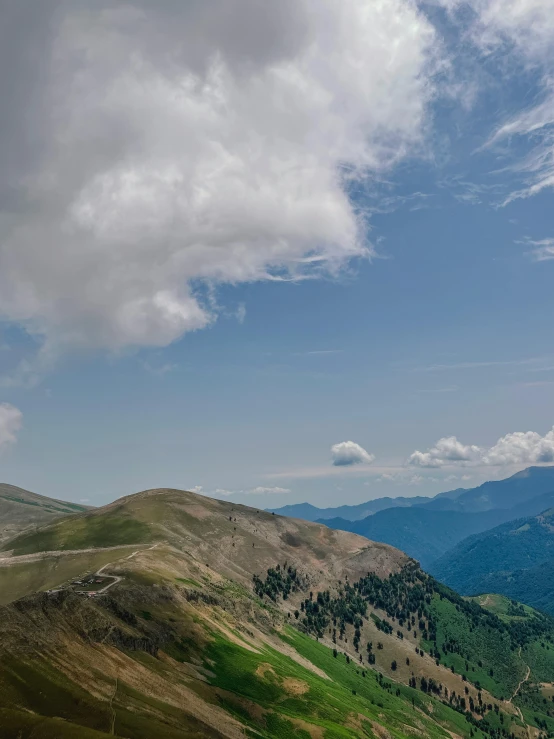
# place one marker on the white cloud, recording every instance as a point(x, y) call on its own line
point(162, 146)
point(522, 448)
point(516, 448)
point(223, 491)
point(253, 491)
point(11, 420)
point(521, 34)
point(268, 491)
point(541, 250)
point(348, 453)
point(447, 450)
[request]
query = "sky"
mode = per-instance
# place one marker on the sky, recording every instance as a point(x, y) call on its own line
point(274, 253)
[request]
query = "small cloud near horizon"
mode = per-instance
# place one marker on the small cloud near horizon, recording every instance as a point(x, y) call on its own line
point(347, 453)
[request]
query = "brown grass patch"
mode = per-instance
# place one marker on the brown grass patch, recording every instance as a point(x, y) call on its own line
point(264, 669)
point(316, 732)
point(294, 686)
point(380, 731)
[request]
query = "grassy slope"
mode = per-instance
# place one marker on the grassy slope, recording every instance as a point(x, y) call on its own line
point(534, 586)
point(342, 706)
point(18, 580)
point(83, 532)
point(265, 690)
point(535, 696)
point(235, 540)
point(477, 646)
point(21, 509)
point(194, 599)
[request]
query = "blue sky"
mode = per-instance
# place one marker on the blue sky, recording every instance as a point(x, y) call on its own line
point(398, 294)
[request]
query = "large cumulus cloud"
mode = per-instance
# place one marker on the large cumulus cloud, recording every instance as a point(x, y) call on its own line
point(517, 448)
point(149, 148)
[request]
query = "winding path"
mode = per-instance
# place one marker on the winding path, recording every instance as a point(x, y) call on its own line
point(521, 683)
point(116, 578)
point(517, 708)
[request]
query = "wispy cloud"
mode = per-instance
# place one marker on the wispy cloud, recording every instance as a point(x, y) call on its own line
point(468, 192)
point(480, 364)
point(11, 421)
point(318, 352)
point(159, 370)
point(267, 491)
point(448, 389)
point(260, 490)
point(541, 250)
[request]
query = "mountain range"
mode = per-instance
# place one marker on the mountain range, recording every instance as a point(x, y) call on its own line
point(513, 559)
point(494, 494)
point(168, 614)
point(427, 530)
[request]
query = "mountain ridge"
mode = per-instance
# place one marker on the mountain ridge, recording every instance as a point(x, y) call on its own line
point(427, 534)
point(492, 557)
point(502, 493)
point(21, 509)
point(218, 621)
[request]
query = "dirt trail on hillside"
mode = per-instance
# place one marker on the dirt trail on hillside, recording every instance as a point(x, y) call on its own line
point(118, 578)
point(516, 691)
point(521, 683)
point(12, 559)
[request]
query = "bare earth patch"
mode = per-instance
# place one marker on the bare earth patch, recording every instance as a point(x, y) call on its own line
point(265, 669)
point(294, 686)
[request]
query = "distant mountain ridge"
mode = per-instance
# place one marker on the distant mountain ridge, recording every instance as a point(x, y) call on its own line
point(506, 493)
point(517, 556)
point(426, 534)
point(309, 512)
point(21, 509)
point(426, 528)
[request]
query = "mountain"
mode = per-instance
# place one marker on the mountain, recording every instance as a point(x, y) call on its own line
point(534, 586)
point(426, 534)
point(21, 509)
point(507, 493)
point(423, 534)
point(497, 494)
point(493, 556)
point(309, 512)
point(172, 615)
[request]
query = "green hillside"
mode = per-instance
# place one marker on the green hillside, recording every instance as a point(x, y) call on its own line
point(423, 534)
point(534, 586)
point(114, 528)
point(486, 559)
point(20, 510)
point(220, 620)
